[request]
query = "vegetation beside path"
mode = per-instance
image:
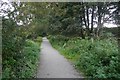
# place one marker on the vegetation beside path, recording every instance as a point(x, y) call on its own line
point(98, 59)
point(20, 50)
point(26, 64)
point(96, 55)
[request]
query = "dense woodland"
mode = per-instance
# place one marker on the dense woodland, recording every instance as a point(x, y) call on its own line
point(70, 27)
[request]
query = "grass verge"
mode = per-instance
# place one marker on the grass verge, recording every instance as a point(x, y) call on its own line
point(96, 59)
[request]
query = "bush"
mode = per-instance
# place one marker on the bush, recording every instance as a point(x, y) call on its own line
point(18, 55)
point(100, 59)
point(57, 39)
point(38, 40)
point(12, 45)
point(31, 57)
point(97, 59)
point(26, 66)
point(106, 35)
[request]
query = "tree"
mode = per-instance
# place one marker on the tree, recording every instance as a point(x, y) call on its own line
point(116, 16)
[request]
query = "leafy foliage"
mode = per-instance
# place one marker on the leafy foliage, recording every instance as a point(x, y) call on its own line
point(19, 56)
point(98, 59)
point(26, 66)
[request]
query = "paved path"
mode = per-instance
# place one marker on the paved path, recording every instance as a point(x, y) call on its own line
point(54, 65)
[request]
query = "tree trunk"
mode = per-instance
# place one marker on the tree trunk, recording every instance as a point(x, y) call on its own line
point(99, 25)
point(92, 17)
point(87, 15)
point(119, 37)
point(86, 18)
point(82, 34)
point(118, 22)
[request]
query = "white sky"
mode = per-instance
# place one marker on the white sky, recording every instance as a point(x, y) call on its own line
point(109, 25)
point(5, 0)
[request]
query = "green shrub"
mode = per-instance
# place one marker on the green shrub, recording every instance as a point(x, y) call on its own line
point(26, 66)
point(19, 56)
point(101, 60)
point(97, 58)
point(12, 45)
point(31, 57)
point(38, 40)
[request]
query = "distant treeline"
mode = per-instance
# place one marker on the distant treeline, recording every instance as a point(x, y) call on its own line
point(113, 30)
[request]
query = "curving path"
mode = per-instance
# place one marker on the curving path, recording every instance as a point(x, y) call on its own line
point(54, 65)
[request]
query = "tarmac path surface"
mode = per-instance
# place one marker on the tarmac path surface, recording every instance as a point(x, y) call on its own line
point(54, 65)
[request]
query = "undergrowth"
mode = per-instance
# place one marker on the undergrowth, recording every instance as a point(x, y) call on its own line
point(25, 65)
point(96, 59)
